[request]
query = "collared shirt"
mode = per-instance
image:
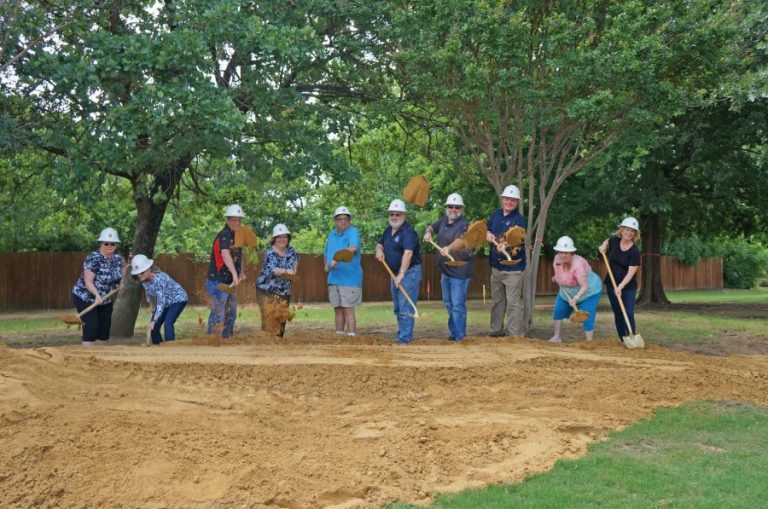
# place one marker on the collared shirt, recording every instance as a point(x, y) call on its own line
point(445, 233)
point(498, 224)
point(568, 278)
point(620, 262)
point(108, 273)
point(270, 282)
point(405, 238)
point(217, 270)
point(164, 292)
point(346, 273)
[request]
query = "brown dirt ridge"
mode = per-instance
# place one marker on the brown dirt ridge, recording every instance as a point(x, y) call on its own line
point(319, 420)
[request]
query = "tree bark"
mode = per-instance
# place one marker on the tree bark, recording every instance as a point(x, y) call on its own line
point(651, 285)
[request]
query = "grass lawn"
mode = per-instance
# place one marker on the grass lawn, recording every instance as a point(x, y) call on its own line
point(705, 454)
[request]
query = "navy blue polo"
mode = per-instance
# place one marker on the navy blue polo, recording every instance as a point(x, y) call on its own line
point(405, 238)
point(498, 224)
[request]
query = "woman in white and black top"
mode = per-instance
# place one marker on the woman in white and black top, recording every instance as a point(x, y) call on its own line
point(624, 258)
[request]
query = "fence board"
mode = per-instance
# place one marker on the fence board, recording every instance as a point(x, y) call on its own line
point(45, 280)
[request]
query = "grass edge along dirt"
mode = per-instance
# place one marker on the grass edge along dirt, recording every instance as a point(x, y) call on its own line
point(702, 454)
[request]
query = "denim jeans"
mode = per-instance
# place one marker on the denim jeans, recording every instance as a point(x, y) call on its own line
point(563, 309)
point(402, 308)
point(168, 318)
point(223, 310)
point(628, 297)
point(455, 300)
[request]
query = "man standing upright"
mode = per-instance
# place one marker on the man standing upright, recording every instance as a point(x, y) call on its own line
point(398, 247)
point(454, 281)
point(226, 266)
point(506, 279)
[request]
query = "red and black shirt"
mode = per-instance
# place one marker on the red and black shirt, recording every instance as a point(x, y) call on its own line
point(217, 271)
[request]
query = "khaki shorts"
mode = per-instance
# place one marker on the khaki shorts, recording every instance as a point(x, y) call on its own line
point(345, 296)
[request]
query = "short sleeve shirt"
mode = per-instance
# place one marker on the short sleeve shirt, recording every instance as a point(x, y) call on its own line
point(568, 279)
point(270, 282)
point(108, 273)
point(621, 261)
point(498, 224)
point(217, 270)
point(447, 233)
point(346, 273)
point(404, 239)
point(164, 292)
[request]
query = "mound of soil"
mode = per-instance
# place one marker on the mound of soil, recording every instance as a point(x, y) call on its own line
point(320, 420)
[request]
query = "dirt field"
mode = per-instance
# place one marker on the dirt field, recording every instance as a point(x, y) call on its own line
point(317, 420)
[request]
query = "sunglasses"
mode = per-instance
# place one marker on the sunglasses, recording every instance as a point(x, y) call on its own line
point(395, 214)
point(108, 244)
point(453, 207)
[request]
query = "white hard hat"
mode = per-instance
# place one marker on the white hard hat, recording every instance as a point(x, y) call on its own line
point(397, 206)
point(454, 199)
point(630, 222)
point(511, 191)
point(140, 263)
point(280, 229)
point(234, 211)
point(108, 235)
point(342, 210)
point(565, 245)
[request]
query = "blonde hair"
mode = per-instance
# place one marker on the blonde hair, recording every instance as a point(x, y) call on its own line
point(635, 237)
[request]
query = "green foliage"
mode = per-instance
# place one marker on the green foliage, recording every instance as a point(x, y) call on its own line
point(744, 262)
point(691, 249)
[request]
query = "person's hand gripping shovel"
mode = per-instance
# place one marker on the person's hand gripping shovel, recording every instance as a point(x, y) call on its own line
point(578, 315)
point(452, 262)
point(416, 313)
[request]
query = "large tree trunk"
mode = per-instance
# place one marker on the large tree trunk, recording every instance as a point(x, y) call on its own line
point(652, 288)
point(148, 220)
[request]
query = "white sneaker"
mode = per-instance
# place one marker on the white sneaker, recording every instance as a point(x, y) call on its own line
point(351, 334)
point(89, 343)
point(340, 332)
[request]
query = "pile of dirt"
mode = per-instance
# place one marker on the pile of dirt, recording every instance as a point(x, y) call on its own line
point(320, 420)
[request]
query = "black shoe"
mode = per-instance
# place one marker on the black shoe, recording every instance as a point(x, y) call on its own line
point(451, 338)
point(497, 334)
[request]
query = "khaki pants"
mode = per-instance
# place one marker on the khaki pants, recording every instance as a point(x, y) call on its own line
point(507, 298)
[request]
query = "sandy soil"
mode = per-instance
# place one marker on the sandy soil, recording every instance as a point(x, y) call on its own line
point(317, 420)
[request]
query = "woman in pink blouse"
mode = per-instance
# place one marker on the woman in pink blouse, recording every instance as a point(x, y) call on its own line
point(579, 287)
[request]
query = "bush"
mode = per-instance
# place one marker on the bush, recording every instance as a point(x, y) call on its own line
point(744, 262)
point(689, 250)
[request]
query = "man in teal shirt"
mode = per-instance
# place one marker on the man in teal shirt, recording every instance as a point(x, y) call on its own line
point(345, 278)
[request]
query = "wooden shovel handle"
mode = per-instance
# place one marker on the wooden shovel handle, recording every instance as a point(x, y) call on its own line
point(615, 286)
point(451, 258)
point(400, 287)
point(103, 298)
point(499, 249)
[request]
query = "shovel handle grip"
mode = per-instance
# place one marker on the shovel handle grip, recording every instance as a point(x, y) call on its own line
point(400, 287)
point(499, 249)
point(451, 258)
point(103, 298)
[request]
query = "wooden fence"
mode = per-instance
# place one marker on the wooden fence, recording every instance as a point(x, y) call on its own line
point(45, 280)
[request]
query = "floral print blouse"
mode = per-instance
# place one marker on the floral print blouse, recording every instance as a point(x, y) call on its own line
point(164, 292)
point(108, 272)
point(270, 282)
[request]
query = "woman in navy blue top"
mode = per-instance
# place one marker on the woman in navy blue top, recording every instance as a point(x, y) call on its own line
point(624, 259)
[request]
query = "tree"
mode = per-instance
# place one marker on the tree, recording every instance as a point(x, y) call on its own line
point(537, 91)
point(154, 93)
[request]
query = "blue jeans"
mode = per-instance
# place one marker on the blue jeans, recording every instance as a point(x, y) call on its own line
point(403, 310)
point(563, 309)
point(628, 297)
point(455, 300)
point(168, 318)
point(223, 310)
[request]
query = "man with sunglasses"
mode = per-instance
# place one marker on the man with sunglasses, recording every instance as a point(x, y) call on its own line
point(454, 280)
point(398, 247)
point(506, 280)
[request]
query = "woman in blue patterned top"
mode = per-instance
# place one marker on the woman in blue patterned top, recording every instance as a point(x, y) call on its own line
point(167, 296)
point(102, 272)
point(274, 282)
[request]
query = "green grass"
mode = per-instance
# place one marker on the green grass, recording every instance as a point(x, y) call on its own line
point(701, 455)
point(752, 296)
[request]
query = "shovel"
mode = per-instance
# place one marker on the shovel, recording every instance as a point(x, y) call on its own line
point(509, 260)
point(417, 190)
point(632, 340)
point(245, 237)
point(76, 319)
point(343, 255)
point(400, 287)
point(578, 316)
point(452, 262)
point(476, 234)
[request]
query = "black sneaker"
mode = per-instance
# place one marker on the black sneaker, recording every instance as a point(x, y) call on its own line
point(451, 338)
point(497, 334)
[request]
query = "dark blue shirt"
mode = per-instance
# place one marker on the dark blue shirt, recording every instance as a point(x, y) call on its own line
point(498, 224)
point(620, 262)
point(395, 245)
point(217, 271)
point(445, 234)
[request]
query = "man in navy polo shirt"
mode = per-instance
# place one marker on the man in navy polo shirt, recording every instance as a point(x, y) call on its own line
point(398, 247)
point(506, 280)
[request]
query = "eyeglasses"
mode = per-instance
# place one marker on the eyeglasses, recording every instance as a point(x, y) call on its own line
point(457, 207)
point(395, 214)
point(108, 244)
point(342, 218)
